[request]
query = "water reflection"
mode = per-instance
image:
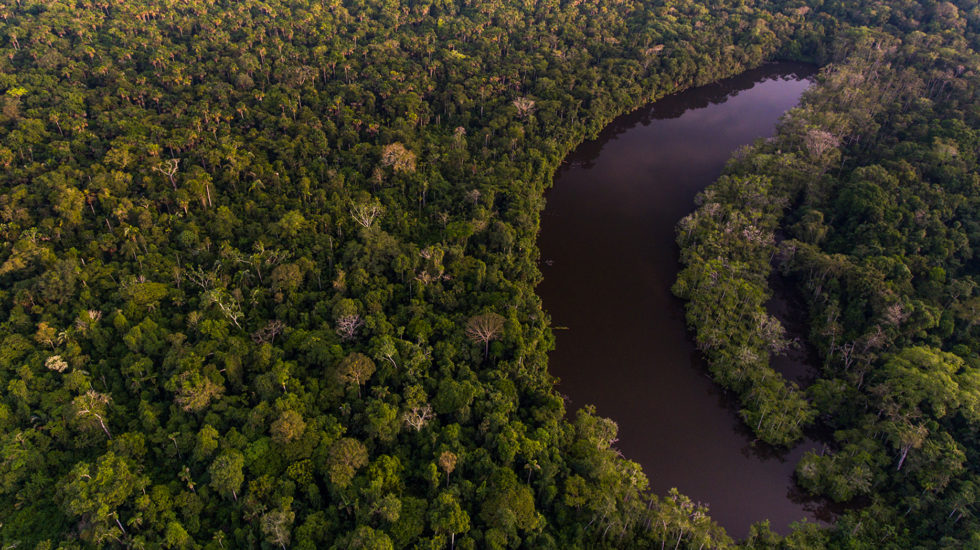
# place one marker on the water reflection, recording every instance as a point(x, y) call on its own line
point(609, 259)
point(674, 106)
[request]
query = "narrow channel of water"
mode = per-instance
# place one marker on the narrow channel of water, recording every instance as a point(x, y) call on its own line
point(609, 260)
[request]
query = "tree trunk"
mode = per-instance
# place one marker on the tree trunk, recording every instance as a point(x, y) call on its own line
point(905, 453)
point(679, 536)
point(106, 430)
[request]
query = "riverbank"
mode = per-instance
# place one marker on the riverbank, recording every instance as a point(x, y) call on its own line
point(609, 256)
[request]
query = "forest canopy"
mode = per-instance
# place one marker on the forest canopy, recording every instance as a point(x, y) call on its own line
point(267, 270)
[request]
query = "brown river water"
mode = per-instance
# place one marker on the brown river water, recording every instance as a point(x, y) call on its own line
point(609, 260)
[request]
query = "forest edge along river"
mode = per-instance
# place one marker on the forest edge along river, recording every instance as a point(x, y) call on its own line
point(609, 259)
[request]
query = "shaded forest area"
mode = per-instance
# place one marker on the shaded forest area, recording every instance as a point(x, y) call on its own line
point(268, 268)
point(868, 200)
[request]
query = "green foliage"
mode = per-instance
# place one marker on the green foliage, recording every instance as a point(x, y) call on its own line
point(876, 195)
point(264, 264)
point(346, 456)
point(726, 248)
point(95, 493)
point(226, 473)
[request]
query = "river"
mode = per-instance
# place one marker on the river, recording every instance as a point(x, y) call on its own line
point(609, 260)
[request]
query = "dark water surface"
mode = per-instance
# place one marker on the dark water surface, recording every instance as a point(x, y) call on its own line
point(609, 259)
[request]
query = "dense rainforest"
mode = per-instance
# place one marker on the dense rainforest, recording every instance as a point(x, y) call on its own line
point(868, 202)
point(267, 270)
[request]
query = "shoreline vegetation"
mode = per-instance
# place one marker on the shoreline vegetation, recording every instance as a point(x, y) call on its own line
point(610, 226)
point(268, 270)
point(866, 183)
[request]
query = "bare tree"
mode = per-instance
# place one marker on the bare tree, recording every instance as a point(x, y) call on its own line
point(275, 525)
point(398, 158)
point(93, 404)
point(650, 54)
point(847, 354)
point(772, 333)
point(874, 339)
point(365, 214)
point(818, 143)
point(268, 333)
point(895, 314)
point(418, 415)
point(525, 106)
point(347, 326)
point(207, 280)
point(226, 303)
point(169, 168)
point(484, 328)
point(387, 349)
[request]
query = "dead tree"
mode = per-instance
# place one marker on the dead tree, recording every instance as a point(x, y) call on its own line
point(484, 328)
